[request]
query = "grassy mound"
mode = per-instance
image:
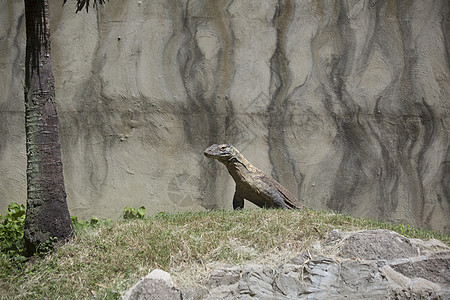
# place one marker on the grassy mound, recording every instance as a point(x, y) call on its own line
point(107, 258)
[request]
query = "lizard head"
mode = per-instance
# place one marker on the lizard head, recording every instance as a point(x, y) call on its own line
point(221, 152)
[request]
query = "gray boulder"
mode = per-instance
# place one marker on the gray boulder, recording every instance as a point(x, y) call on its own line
point(157, 285)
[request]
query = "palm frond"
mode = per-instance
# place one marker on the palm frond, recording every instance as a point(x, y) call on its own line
point(85, 3)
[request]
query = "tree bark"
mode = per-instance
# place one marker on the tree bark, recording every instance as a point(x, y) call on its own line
point(47, 214)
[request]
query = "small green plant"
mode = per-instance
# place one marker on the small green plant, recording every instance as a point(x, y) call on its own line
point(11, 230)
point(130, 213)
point(47, 246)
point(95, 221)
point(77, 224)
point(80, 225)
point(402, 229)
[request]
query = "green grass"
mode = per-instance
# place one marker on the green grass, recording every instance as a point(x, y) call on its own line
point(107, 258)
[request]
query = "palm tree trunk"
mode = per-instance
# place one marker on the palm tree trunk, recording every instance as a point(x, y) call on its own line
point(47, 214)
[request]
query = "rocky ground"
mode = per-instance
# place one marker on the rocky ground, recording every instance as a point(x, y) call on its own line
point(373, 264)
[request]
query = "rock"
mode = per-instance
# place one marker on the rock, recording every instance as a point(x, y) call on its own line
point(157, 285)
point(435, 268)
point(195, 293)
point(377, 245)
point(372, 264)
point(403, 287)
point(257, 281)
point(225, 276)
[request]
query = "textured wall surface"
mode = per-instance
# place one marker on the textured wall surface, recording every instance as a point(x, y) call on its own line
point(346, 103)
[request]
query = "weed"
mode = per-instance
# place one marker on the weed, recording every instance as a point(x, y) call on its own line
point(130, 213)
point(11, 232)
point(402, 229)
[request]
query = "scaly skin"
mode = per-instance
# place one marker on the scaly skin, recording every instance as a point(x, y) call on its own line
point(251, 183)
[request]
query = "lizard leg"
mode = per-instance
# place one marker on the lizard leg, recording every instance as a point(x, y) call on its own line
point(277, 199)
point(238, 201)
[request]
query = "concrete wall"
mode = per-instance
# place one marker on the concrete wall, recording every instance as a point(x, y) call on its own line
point(346, 103)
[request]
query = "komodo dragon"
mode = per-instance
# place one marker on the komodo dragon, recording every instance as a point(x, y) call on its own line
point(251, 183)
